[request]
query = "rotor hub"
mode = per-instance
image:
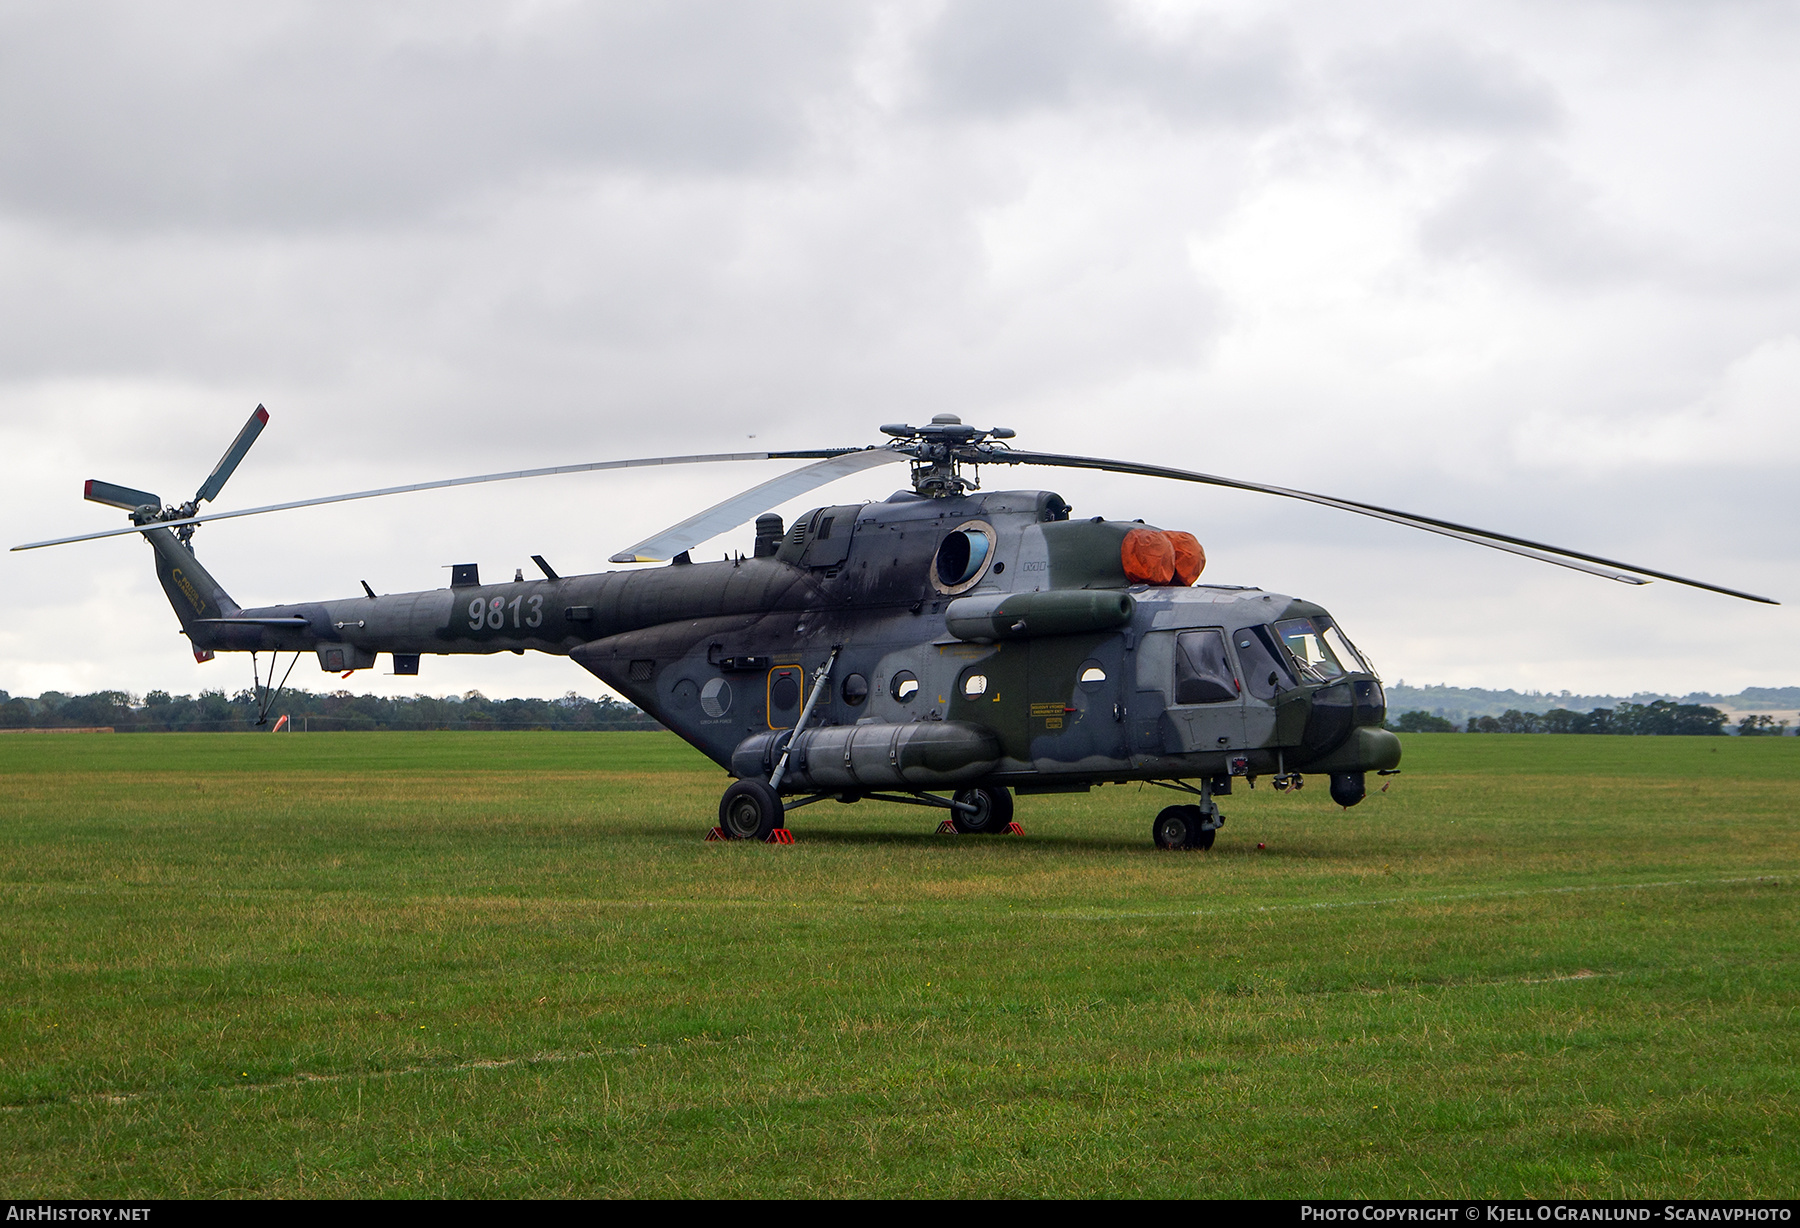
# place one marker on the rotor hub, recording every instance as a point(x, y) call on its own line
point(940, 450)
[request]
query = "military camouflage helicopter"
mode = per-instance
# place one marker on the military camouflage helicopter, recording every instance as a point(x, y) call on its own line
point(943, 647)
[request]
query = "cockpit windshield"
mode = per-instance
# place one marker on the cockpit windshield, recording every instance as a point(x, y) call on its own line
point(1320, 649)
point(1340, 644)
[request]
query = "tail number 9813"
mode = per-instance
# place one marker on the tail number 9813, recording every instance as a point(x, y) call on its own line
point(492, 613)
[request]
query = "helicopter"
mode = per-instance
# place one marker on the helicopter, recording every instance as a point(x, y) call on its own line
point(944, 647)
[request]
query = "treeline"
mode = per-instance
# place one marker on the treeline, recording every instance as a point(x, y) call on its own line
point(1459, 704)
point(1660, 716)
point(215, 711)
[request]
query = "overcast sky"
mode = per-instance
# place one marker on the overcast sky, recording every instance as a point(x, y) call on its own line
point(1532, 266)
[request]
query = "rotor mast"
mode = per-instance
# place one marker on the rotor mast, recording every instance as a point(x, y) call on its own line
point(940, 450)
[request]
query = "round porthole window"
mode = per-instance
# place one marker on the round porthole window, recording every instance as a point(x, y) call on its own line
point(973, 685)
point(855, 690)
point(715, 697)
point(784, 693)
point(963, 558)
point(904, 686)
point(1091, 675)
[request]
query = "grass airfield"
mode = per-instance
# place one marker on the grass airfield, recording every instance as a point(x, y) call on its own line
point(501, 964)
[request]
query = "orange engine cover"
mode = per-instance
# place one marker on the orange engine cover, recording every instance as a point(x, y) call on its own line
point(1157, 556)
point(1148, 556)
point(1190, 557)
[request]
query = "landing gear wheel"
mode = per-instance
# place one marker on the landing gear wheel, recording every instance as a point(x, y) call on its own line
point(1174, 826)
point(993, 811)
point(1179, 827)
point(750, 810)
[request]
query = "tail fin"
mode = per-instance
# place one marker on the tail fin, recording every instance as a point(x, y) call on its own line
point(191, 590)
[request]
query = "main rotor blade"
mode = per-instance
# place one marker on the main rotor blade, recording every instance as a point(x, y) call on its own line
point(470, 481)
point(722, 517)
point(1543, 552)
point(234, 455)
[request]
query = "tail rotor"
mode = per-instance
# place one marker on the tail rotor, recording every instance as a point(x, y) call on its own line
point(146, 507)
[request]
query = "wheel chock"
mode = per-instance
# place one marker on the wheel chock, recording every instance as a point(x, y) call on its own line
point(780, 835)
point(1013, 829)
point(947, 828)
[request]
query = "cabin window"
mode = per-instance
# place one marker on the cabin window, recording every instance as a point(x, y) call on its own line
point(784, 692)
point(904, 686)
point(1202, 671)
point(855, 690)
point(973, 685)
point(1092, 675)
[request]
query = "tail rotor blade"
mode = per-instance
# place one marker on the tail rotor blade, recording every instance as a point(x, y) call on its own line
point(234, 455)
point(123, 497)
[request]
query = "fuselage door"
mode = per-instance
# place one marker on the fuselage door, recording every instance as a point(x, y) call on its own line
point(1076, 711)
point(1265, 676)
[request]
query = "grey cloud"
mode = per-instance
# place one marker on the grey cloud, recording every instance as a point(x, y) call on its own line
point(620, 315)
point(1525, 208)
point(132, 116)
point(997, 58)
point(1435, 82)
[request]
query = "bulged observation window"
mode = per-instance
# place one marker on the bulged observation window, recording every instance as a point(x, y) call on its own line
point(1202, 670)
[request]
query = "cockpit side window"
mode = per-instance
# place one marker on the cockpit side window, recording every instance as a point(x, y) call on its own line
point(1202, 670)
point(1265, 673)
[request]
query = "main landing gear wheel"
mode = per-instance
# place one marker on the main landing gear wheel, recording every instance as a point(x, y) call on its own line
point(750, 810)
point(993, 811)
point(1179, 827)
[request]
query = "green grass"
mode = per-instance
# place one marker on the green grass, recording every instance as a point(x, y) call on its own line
point(506, 964)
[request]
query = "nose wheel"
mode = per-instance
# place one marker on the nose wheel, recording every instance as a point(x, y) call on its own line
point(1186, 827)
